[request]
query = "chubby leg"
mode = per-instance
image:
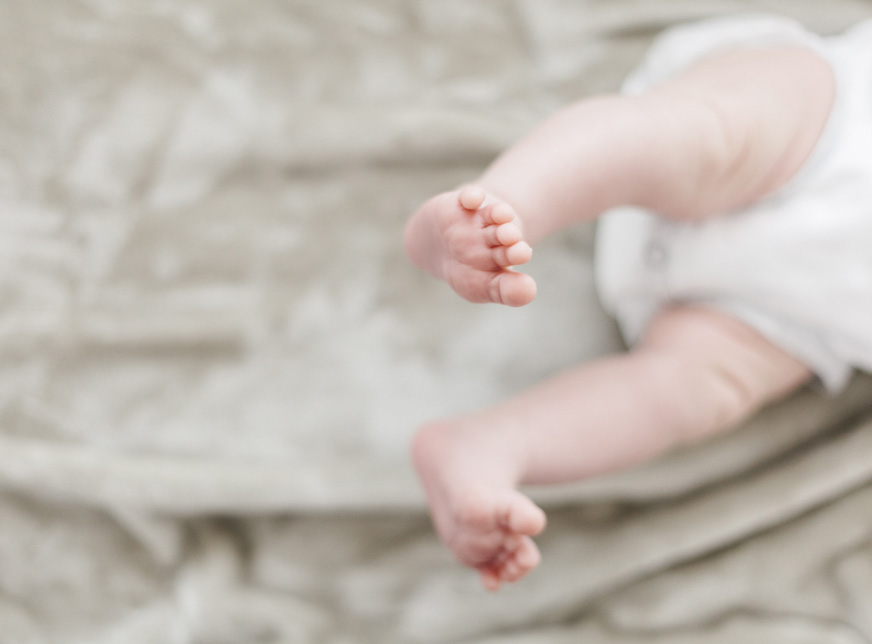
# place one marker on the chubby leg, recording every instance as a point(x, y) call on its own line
point(726, 131)
point(696, 373)
point(722, 134)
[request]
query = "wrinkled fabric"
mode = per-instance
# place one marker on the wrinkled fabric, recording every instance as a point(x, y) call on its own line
point(215, 353)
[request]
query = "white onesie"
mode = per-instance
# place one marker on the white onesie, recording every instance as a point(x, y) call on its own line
point(797, 265)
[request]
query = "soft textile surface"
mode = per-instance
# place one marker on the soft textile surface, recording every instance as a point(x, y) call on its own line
point(214, 352)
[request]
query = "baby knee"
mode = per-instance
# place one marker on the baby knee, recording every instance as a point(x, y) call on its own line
point(726, 371)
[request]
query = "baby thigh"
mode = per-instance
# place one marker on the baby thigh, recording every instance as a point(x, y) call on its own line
point(719, 370)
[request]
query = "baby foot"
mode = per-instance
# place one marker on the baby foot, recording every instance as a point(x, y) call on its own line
point(486, 523)
point(472, 243)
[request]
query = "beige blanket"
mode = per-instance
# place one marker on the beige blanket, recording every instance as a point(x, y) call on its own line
point(215, 353)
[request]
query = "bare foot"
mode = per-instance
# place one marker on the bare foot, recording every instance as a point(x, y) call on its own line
point(472, 242)
point(475, 507)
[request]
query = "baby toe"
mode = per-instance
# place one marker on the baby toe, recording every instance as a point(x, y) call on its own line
point(512, 571)
point(514, 255)
point(527, 555)
point(524, 517)
point(502, 234)
point(511, 289)
point(508, 234)
point(499, 213)
point(519, 253)
point(490, 579)
point(471, 198)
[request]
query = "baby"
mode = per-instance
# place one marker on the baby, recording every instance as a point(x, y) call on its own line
point(735, 174)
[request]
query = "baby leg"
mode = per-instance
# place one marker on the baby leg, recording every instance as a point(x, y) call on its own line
point(697, 372)
point(722, 134)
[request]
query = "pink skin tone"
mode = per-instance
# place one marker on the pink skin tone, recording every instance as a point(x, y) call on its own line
point(724, 133)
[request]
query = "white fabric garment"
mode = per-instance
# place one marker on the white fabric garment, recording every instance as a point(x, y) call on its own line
point(797, 265)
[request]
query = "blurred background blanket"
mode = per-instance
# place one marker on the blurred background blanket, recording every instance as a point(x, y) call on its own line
point(214, 352)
